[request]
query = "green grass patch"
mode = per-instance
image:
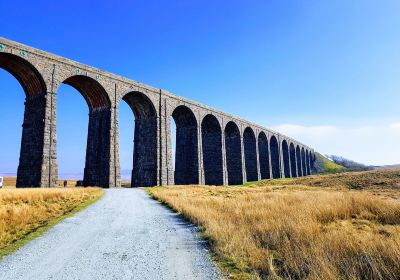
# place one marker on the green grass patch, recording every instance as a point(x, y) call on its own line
point(248, 184)
point(331, 167)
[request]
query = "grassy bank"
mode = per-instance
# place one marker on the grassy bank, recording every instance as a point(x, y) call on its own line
point(28, 213)
point(378, 182)
point(295, 231)
point(324, 165)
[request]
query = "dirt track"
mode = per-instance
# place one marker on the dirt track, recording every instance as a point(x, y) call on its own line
point(126, 235)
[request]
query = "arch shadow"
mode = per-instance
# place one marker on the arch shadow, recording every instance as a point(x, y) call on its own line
point(298, 162)
point(233, 154)
point(211, 135)
point(250, 154)
point(285, 158)
point(186, 150)
point(263, 154)
point(275, 163)
point(292, 152)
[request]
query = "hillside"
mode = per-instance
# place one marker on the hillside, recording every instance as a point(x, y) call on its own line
point(376, 179)
point(323, 165)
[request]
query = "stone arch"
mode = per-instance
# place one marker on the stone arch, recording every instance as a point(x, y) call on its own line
point(303, 162)
point(292, 153)
point(97, 163)
point(144, 170)
point(298, 162)
point(263, 156)
point(211, 136)
point(27, 75)
point(30, 171)
point(286, 159)
point(92, 91)
point(186, 149)
point(250, 154)
point(233, 147)
point(274, 149)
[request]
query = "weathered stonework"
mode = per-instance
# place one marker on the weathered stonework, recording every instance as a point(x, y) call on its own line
point(212, 147)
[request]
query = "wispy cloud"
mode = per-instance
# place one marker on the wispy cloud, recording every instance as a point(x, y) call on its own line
point(376, 145)
point(395, 127)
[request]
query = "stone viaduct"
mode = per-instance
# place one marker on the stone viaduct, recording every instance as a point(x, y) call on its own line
point(212, 147)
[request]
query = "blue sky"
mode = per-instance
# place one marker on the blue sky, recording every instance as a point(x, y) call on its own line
point(324, 72)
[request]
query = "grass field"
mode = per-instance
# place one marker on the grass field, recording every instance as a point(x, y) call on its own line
point(10, 182)
point(27, 213)
point(344, 226)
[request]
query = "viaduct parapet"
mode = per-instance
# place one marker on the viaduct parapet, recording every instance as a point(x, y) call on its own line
point(212, 147)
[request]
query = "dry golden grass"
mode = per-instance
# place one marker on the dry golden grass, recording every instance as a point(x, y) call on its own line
point(378, 180)
point(26, 211)
point(10, 182)
point(294, 232)
point(70, 183)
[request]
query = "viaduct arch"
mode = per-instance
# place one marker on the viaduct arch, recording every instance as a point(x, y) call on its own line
point(211, 137)
point(233, 154)
point(250, 152)
point(96, 172)
point(186, 150)
point(212, 147)
point(286, 159)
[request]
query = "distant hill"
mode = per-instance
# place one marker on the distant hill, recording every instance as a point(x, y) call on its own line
point(350, 165)
point(323, 165)
point(335, 164)
point(384, 167)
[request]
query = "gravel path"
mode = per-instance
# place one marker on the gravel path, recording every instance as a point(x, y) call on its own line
point(126, 235)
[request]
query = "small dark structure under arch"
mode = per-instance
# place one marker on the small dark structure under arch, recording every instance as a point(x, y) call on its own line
point(211, 136)
point(186, 150)
point(233, 154)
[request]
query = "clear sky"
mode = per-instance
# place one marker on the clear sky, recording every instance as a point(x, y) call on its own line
point(325, 72)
